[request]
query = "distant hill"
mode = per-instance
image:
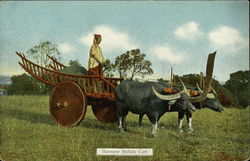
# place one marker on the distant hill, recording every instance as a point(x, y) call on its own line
point(5, 80)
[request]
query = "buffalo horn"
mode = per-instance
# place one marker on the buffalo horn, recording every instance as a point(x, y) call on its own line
point(166, 97)
point(209, 73)
point(185, 90)
point(209, 95)
point(199, 88)
point(214, 91)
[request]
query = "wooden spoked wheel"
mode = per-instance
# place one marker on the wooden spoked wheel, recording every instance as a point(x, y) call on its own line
point(68, 104)
point(105, 111)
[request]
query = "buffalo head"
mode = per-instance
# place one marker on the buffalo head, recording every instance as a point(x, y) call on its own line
point(211, 101)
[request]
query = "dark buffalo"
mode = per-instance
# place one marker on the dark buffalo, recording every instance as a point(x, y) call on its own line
point(210, 102)
point(185, 109)
point(148, 98)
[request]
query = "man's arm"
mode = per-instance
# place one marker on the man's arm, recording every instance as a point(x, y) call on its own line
point(92, 55)
point(96, 59)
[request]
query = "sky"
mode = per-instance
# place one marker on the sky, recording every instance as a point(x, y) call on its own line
point(170, 33)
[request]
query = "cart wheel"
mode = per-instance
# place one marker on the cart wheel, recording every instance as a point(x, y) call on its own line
point(105, 113)
point(68, 104)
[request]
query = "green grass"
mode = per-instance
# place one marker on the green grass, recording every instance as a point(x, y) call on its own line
point(29, 134)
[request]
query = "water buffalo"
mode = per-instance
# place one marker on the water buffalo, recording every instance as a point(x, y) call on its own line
point(210, 102)
point(148, 98)
point(188, 111)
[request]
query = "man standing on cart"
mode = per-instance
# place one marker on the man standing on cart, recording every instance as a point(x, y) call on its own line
point(96, 58)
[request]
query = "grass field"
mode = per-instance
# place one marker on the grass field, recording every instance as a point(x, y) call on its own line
point(29, 134)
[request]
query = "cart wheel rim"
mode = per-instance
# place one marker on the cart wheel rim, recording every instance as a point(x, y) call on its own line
point(68, 104)
point(105, 112)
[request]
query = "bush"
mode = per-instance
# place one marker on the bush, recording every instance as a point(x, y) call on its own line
point(27, 85)
point(238, 85)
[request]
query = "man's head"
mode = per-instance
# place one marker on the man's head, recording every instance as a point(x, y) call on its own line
point(98, 38)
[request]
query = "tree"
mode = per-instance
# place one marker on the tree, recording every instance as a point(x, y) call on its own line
point(21, 84)
point(108, 69)
point(25, 84)
point(38, 53)
point(132, 63)
point(238, 84)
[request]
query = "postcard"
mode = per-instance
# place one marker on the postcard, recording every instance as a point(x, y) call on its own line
point(124, 80)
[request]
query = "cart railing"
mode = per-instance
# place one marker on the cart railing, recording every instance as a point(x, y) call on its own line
point(56, 65)
point(93, 85)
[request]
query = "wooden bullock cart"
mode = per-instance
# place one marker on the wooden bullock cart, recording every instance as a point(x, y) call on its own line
point(72, 93)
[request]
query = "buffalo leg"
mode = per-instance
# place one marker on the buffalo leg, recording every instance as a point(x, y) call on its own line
point(120, 119)
point(124, 122)
point(140, 119)
point(189, 120)
point(122, 112)
point(180, 120)
point(154, 128)
point(154, 120)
